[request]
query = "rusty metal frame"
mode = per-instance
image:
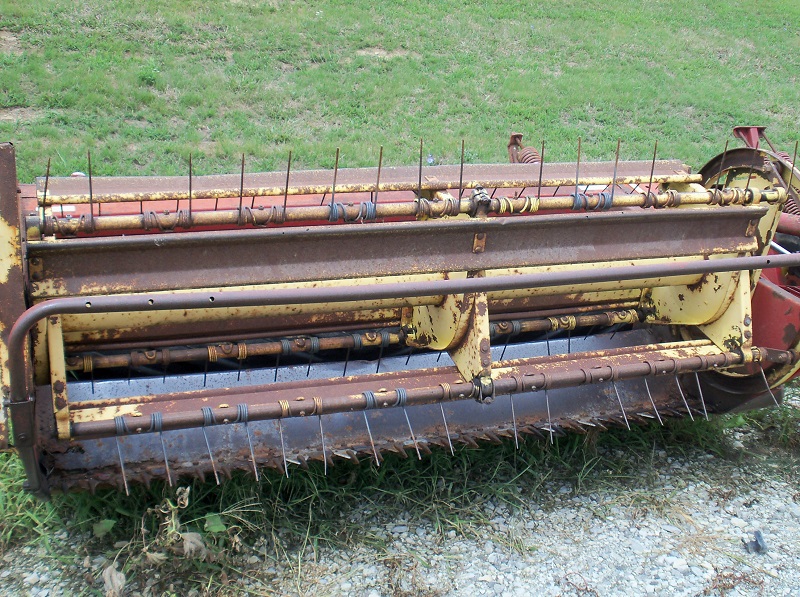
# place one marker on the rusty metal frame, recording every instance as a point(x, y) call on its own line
point(23, 400)
point(12, 265)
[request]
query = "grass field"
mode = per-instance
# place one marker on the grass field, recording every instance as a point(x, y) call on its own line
point(143, 85)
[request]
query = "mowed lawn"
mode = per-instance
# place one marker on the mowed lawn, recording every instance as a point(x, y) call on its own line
point(142, 85)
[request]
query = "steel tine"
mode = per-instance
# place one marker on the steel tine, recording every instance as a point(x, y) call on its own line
point(700, 391)
point(447, 431)
point(241, 188)
point(91, 195)
point(622, 408)
point(413, 437)
point(419, 183)
point(380, 357)
point(794, 161)
point(652, 169)
point(283, 448)
point(514, 421)
point(371, 441)
point(541, 170)
point(649, 395)
point(190, 187)
point(410, 353)
point(766, 383)
point(549, 419)
point(547, 341)
point(683, 396)
point(46, 184)
point(503, 352)
point(460, 174)
point(721, 166)
point(208, 419)
point(749, 178)
point(243, 417)
point(335, 175)
point(285, 188)
point(122, 466)
point(577, 170)
point(378, 181)
point(155, 424)
point(121, 429)
point(614, 178)
point(324, 451)
point(569, 341)
point(346, 361)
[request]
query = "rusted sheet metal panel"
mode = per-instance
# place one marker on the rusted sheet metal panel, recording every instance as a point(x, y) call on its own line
point(12, 281)
point(247, 257)
point(348, 180)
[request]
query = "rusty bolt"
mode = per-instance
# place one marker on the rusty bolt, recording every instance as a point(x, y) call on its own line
point(35, 261)
point(748, 334)
point(59, 386)
point(36, 276)
point(484, 345)
point(747, 320)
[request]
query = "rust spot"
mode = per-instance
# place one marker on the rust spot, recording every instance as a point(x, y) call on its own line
point(681, 297)
point(789, 334)
point(697, 286)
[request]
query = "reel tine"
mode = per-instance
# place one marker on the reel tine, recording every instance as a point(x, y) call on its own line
point(335, 175)
point(369, 397)
point(650, 395)
point(346, 362)
point(413, 437)
point(622, 408)
point(549, 419)
point(447, 431)
point(285, 188)
point(122, 466)
point(371, 441)
point(119, 422)
point(683, 396)
point(702, 399)
point(283, 448)
point(155, 425)
point(242, 418)
point(208, 419)
point(318, 410)
point(460, 174)
point(503, 352)
point(766, 383)
point(541, 171)
point(402, 399)
point(514, 422)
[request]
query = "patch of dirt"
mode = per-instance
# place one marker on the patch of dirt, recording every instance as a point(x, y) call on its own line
point(18, 114)
point(378, 52)
point(9, 43)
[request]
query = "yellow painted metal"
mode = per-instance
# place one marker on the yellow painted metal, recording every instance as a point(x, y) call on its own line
point(58, 376)
point(472, 356)
point(440, 326)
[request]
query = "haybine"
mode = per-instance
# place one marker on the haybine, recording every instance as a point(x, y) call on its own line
point(190, 326)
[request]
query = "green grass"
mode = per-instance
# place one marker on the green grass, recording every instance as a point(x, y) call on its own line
point(142, 85)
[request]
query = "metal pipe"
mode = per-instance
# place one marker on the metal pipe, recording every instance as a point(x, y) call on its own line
point(478, 177)
point(276, 214)
point(383, 399)
point(290, 296)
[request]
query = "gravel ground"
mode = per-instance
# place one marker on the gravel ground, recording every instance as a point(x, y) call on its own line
point(678, 529)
